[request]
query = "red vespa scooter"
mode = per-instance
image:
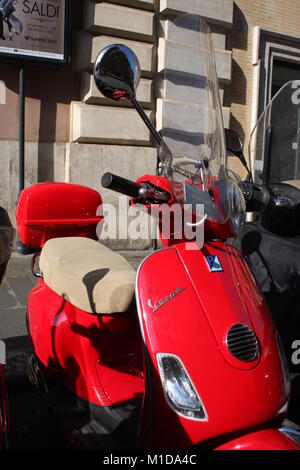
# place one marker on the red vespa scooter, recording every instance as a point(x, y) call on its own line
point(182, 353)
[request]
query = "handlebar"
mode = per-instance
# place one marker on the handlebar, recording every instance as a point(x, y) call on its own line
point(143, 191)
point(121, 185)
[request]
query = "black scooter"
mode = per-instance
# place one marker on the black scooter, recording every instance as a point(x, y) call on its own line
point(270, 242)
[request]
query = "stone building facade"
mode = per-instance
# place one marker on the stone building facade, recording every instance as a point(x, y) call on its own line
point(265, 43)
point(112, 137)
point(73, 134)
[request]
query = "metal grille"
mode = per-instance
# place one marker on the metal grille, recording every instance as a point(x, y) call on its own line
point(242, 343)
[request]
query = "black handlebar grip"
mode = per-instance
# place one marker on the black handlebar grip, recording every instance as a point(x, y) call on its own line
point(121, 185)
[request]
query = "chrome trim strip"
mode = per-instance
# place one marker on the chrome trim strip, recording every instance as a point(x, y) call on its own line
point(291, 433)
point(33, 264)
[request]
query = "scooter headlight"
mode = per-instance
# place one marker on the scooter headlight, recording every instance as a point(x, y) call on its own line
point(178, 387)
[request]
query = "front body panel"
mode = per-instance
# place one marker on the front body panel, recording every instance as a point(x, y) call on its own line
point(193, 326)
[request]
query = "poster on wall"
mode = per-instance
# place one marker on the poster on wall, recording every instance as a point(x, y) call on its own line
point(33, 29)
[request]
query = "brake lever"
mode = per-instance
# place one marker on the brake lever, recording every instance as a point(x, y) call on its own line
point(147, 192)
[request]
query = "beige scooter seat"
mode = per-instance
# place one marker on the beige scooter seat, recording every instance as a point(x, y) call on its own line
point(88, 275)
point(295, 183)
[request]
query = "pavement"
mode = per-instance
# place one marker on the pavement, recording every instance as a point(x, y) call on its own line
point(34, 426)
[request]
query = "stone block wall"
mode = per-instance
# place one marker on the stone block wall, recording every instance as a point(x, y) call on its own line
point(88, 135)
point(111, 136)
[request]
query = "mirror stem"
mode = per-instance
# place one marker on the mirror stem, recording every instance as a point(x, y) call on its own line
point(167, 154)
point(245, 165)
point(147, 121)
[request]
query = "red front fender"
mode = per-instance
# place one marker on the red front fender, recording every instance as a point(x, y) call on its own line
point(267, 439)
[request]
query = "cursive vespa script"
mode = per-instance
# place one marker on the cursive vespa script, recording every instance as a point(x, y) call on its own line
point(161, 302)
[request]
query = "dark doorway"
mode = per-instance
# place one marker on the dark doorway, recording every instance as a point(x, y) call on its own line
point(284, 71)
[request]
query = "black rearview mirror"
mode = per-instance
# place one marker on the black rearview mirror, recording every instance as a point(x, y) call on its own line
point(233, 142)
point(234, 145)
point(117, 72)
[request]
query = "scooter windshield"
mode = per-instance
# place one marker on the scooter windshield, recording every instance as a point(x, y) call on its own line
point(189, 117)
point(274, 145)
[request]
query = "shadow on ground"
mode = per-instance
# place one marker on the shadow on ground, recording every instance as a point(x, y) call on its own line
point(33, 426)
